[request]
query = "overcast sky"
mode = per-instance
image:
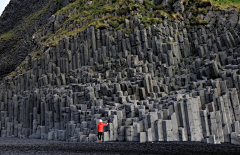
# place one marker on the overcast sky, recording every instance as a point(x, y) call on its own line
point(3, 4)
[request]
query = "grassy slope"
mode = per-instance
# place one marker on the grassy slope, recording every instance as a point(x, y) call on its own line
point(13, 41)
point(225, 4)
point(100, 14)
point(104, 11)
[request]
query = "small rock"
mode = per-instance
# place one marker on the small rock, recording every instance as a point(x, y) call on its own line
point(139, 1)
point(89, 2)
point(167, 3)
point(178, 7)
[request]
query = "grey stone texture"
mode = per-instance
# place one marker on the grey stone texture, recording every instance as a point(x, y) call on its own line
point(167, 82)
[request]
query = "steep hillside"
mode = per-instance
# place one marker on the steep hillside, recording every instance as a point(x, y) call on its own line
point(154, 70)
point(18, 22)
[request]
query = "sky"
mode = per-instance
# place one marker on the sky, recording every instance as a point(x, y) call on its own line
point(3, 4)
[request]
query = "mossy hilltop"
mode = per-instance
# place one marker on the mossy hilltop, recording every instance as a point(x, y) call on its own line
point(103, 14)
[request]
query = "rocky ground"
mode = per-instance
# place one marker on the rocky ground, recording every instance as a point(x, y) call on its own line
point(33, 146)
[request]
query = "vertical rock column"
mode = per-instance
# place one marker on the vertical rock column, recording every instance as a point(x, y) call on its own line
point(193, 121)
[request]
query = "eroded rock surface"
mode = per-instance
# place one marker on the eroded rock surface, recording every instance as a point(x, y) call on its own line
point(167, 82)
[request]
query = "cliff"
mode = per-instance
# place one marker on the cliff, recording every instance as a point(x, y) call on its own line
point(155, 70)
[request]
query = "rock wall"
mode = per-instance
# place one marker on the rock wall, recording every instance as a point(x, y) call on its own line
point(166, 82)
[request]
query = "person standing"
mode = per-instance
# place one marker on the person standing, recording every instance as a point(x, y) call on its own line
point(100, 129)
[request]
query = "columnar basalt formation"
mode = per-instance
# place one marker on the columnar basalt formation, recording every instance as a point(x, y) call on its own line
point(166, 82)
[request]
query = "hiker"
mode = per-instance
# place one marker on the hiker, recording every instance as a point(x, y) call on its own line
point(100, 129)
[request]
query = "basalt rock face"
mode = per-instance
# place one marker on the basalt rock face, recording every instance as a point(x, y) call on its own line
point(166, 82)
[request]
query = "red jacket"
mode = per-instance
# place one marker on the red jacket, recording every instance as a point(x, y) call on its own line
point(100, 126)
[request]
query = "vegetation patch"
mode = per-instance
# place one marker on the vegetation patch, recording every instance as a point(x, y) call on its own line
point(98, 24)
point(13, 74)
point(7, 36)
point(103, 14)
point(226, 4)
point(196, 21)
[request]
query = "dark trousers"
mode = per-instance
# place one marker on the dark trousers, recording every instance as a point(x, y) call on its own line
point(99, 135)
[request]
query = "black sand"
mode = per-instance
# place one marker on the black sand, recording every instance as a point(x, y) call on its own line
point(33, 146)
